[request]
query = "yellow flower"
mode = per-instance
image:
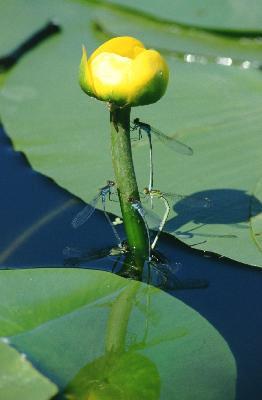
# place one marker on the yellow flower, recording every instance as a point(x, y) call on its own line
point(121, 71)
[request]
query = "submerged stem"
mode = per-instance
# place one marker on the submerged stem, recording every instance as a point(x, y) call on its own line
point(119, 317)
point(126, 184)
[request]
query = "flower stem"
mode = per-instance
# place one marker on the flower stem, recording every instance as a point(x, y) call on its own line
point(126, 184)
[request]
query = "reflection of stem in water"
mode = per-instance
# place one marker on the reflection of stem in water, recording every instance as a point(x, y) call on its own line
point(159, 274)
point(156, 272)
point(132, 266)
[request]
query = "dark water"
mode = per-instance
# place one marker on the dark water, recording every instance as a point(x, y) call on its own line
point(35, 227)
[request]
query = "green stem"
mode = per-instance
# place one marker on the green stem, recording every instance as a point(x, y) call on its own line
point(119, 317)
point(126, 184)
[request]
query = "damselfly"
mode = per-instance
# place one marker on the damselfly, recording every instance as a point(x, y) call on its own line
point(157, 193)
point(139, 208)
point(75, 256)
point(158, 271)
point(89, 209)
point(164, 275)
point(167, 140)
point(190, 202)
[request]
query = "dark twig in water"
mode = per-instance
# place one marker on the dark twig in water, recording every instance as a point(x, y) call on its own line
point(9, 60)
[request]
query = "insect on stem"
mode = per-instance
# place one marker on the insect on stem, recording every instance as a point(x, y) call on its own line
point(157, 193)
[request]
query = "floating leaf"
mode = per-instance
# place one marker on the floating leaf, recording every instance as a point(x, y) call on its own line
point(224, 15)
point(74, 323)
point(215, 110)
point(19, 379)
point(256, 214)
point(123, 376)
point(181, 42)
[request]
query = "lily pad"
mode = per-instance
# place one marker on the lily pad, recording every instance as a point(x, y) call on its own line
point(182, 42)
point(225, 15)
point(19, 379)
point(73, 324)
point(256, 213)
point(126, 376)
point(215, 110)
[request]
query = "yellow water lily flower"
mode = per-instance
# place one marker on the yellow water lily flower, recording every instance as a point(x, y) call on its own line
point(122, 72)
